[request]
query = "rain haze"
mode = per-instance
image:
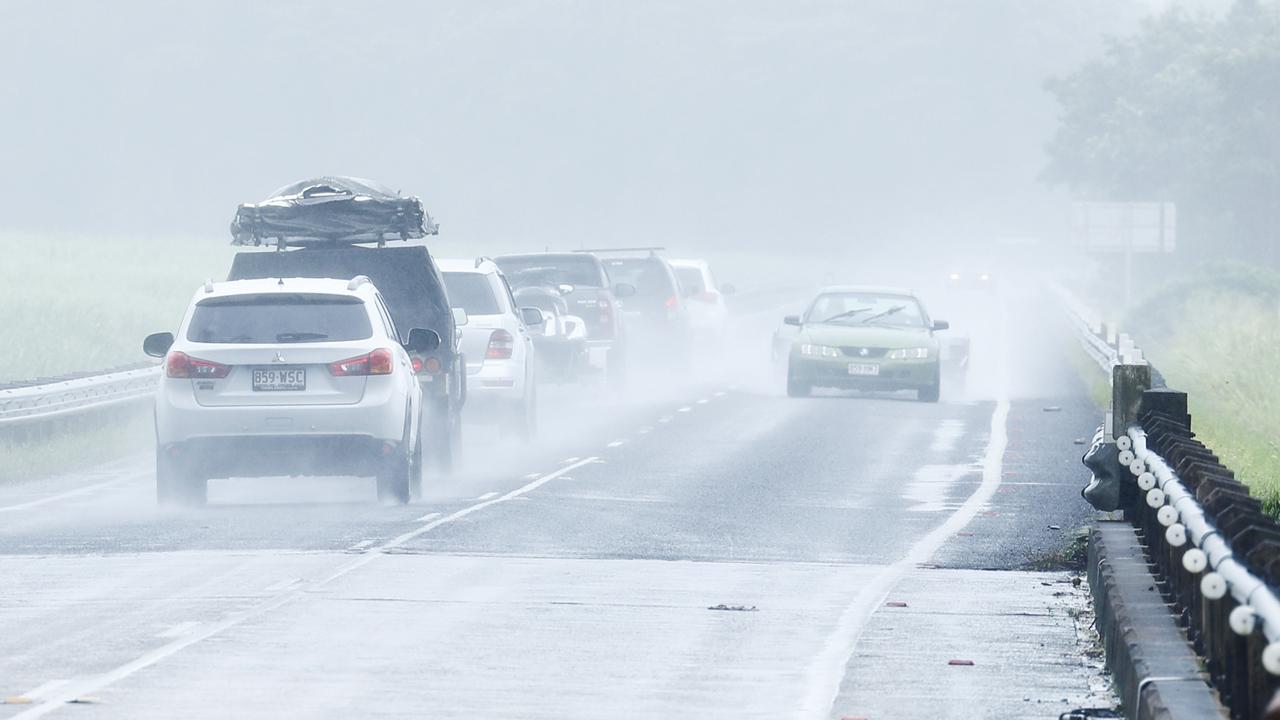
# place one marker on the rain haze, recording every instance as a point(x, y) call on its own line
point(562, 359)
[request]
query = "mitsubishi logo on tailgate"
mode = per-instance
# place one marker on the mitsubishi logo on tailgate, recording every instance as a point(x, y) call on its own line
point(279, 358)
point(864, 352)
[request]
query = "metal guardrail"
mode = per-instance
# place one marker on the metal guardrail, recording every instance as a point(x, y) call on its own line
point(60, 398)
point(1101, 340)
point(1215, 552)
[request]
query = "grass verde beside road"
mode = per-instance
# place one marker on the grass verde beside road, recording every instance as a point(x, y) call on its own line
point(79, 302)
point(1214, 337)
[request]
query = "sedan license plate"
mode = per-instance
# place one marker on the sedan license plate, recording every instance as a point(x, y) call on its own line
point(275, 379)
point(864, 369)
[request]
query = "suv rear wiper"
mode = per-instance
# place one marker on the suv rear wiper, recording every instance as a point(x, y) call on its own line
point(886, 313)
point(300, 337)
point(846, 313)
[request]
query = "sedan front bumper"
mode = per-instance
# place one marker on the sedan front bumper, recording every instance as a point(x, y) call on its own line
point(846, 374)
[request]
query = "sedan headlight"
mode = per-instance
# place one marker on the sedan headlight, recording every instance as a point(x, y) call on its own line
point(819, 351)
point(919, 353)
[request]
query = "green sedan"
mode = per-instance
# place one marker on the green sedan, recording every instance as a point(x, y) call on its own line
point(864, 338)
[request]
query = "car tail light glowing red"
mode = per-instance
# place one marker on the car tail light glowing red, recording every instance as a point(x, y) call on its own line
point(672, 302)
point(432, 365)
point(606, 311)
point(417, 364)
point(181, 365)
point(501, 344)
point(378, 362)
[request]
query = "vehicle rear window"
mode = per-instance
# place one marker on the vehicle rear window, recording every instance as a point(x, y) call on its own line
point(471, 292)
point(648, 275)
point(690, 279)
point(279, 318)
point(555, 270)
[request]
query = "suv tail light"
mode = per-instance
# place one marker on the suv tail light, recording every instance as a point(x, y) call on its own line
point(181, 365)
point(672, 302)
point(501, 344)
point(378, 362)
point(606, 311)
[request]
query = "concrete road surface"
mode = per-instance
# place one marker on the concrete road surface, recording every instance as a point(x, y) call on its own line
point(699, 546)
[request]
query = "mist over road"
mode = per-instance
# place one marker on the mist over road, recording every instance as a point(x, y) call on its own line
point(580, 576)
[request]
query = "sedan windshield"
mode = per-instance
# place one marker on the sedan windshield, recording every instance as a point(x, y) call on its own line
point(866, 309)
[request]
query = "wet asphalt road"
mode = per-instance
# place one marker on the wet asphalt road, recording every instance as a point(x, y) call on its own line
point(574, 577)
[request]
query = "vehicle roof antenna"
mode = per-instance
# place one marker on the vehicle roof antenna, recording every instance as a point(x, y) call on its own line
point(280, 282)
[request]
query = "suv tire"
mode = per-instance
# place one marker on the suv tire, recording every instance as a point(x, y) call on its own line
point(931, 393)
point(521, 420)
point(177, 486)
point(393, 478)
point(444, 430)
point(797, 387)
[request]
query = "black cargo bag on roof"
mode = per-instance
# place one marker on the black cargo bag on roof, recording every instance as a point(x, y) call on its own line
point(405, 276)
point(331, 210)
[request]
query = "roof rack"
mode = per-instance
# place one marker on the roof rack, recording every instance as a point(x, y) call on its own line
point(650, 250)
point(357, 281)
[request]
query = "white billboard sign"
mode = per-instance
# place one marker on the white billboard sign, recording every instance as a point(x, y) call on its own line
point(1125, 226)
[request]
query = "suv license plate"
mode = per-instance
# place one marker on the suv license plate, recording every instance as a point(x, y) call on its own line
point(273, 379)
point(864, 369)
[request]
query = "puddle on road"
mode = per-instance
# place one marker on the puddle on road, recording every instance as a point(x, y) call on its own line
point(930, 486)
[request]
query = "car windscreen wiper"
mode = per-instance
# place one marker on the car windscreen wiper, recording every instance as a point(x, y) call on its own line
point(845, 314)
point(300, 337)
point(896, 308)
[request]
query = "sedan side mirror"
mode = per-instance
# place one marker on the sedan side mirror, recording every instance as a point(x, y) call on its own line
point(728, 289)
point(791, 320)
point(624, 290)
point(459, 317)
point(531, 316)
point(941, 324)
point(157, 344)
point(422, 341)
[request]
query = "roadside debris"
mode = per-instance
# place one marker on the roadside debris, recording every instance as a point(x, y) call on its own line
point(734, 608)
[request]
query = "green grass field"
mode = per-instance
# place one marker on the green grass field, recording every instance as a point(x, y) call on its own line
point(1215, 337)
point(76, 302)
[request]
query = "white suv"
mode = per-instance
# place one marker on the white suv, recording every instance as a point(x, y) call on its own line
point(288, 376)
point(497, 344)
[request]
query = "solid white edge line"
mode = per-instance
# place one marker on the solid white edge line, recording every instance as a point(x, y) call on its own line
point(827, 672)
point(487, 495)
point(95, 683)
point(64, 495)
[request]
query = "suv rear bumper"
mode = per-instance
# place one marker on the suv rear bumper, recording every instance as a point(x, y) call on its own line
point(380, 414)
point(264, 455)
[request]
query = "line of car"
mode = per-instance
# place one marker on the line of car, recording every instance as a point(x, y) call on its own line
point(331, 357)
point(327, 352)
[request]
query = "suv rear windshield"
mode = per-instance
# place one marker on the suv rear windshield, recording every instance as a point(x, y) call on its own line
point(648, 275)
point(532, 270)
point(472, 292)
point(690, 279)
point(279, 318)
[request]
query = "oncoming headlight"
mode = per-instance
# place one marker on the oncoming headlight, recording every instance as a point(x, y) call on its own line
point(819, 351)
point(920, 353)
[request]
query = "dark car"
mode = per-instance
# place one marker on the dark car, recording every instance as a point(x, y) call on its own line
point(588, 294)
point(657, 313)
point(414, 291)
